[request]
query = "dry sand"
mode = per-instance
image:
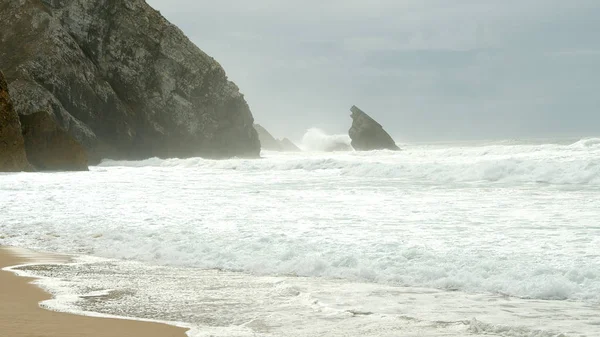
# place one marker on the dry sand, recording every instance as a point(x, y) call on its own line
point(21, 316)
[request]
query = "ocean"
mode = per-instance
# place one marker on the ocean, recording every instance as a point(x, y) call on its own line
point(458, 239)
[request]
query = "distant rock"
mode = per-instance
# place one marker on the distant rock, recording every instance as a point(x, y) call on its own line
point(288, 145)
point(48, 147)
point(270, 143)
point(267, 141)
point(12, 147)
point(367, 134)
point(122, 80)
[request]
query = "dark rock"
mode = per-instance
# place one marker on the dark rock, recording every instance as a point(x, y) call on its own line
point(367, 134)
point(122, 80)
point(270, 143)
point(48, 147)
point(12, 147)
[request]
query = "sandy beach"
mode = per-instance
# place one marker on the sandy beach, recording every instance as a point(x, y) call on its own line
point(21, 316)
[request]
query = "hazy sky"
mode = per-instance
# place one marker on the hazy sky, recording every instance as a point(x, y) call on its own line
point(426, 69)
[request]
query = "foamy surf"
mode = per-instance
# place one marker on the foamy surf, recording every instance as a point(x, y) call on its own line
point(67, 299)
point(514, 222)
point(575, 164)
point(219, 303)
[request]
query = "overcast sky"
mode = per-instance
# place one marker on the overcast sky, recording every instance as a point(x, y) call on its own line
point(425, 69)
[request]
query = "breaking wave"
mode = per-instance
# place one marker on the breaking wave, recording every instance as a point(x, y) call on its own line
point(360, 216)
point(317, 140)
point(577, 163)
point(587, 143)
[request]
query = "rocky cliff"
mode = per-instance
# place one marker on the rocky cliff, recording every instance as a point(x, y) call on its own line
point(122, 80)
point(367, 134)
point(12, 148)
point(48, 147)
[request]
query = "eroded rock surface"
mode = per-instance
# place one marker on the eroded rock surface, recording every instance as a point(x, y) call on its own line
point(122, 80)
point(12, 147)
point(48, 147)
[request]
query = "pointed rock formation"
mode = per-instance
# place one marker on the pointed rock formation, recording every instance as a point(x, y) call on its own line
point(12, 147)
point(288, 146)
point(270, 143)
point(122, 80)
point(367, 134)
point(48, 147)
point(267, 141)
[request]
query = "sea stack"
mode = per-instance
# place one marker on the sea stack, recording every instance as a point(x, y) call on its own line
point(121, 80)
point(367, 134)
point(12, 146)
point(288, 146)
point(270, 143)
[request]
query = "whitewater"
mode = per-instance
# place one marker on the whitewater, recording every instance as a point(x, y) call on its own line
point(472, 239)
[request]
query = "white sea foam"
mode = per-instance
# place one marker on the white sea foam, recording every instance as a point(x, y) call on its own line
point(587, 143)
point(576, 164)
point(218, 303)
point(67, 299)
point(514, 219)
point(496, 219)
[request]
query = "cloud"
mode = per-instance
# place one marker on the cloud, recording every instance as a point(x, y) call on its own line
point(427, 69)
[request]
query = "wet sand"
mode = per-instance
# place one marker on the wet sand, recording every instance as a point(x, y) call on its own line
point(21, 315)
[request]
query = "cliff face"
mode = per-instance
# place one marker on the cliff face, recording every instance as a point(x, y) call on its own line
point(122, 80)
point(367, 134)
point(48, 147)
point(12, 148)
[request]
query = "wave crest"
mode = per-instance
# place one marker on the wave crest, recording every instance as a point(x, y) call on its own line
point(318, 140)
point(587, 143)
point(575, 164)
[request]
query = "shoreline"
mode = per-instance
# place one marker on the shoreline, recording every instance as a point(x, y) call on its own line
point(21, 314)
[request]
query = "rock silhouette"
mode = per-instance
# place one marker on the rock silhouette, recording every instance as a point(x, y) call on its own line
point(367, 134)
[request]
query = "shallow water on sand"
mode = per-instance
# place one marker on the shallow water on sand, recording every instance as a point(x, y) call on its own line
point(221, 303)
point(447, 240)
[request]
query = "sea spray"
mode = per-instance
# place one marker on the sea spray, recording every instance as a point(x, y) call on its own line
point(318, 140)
